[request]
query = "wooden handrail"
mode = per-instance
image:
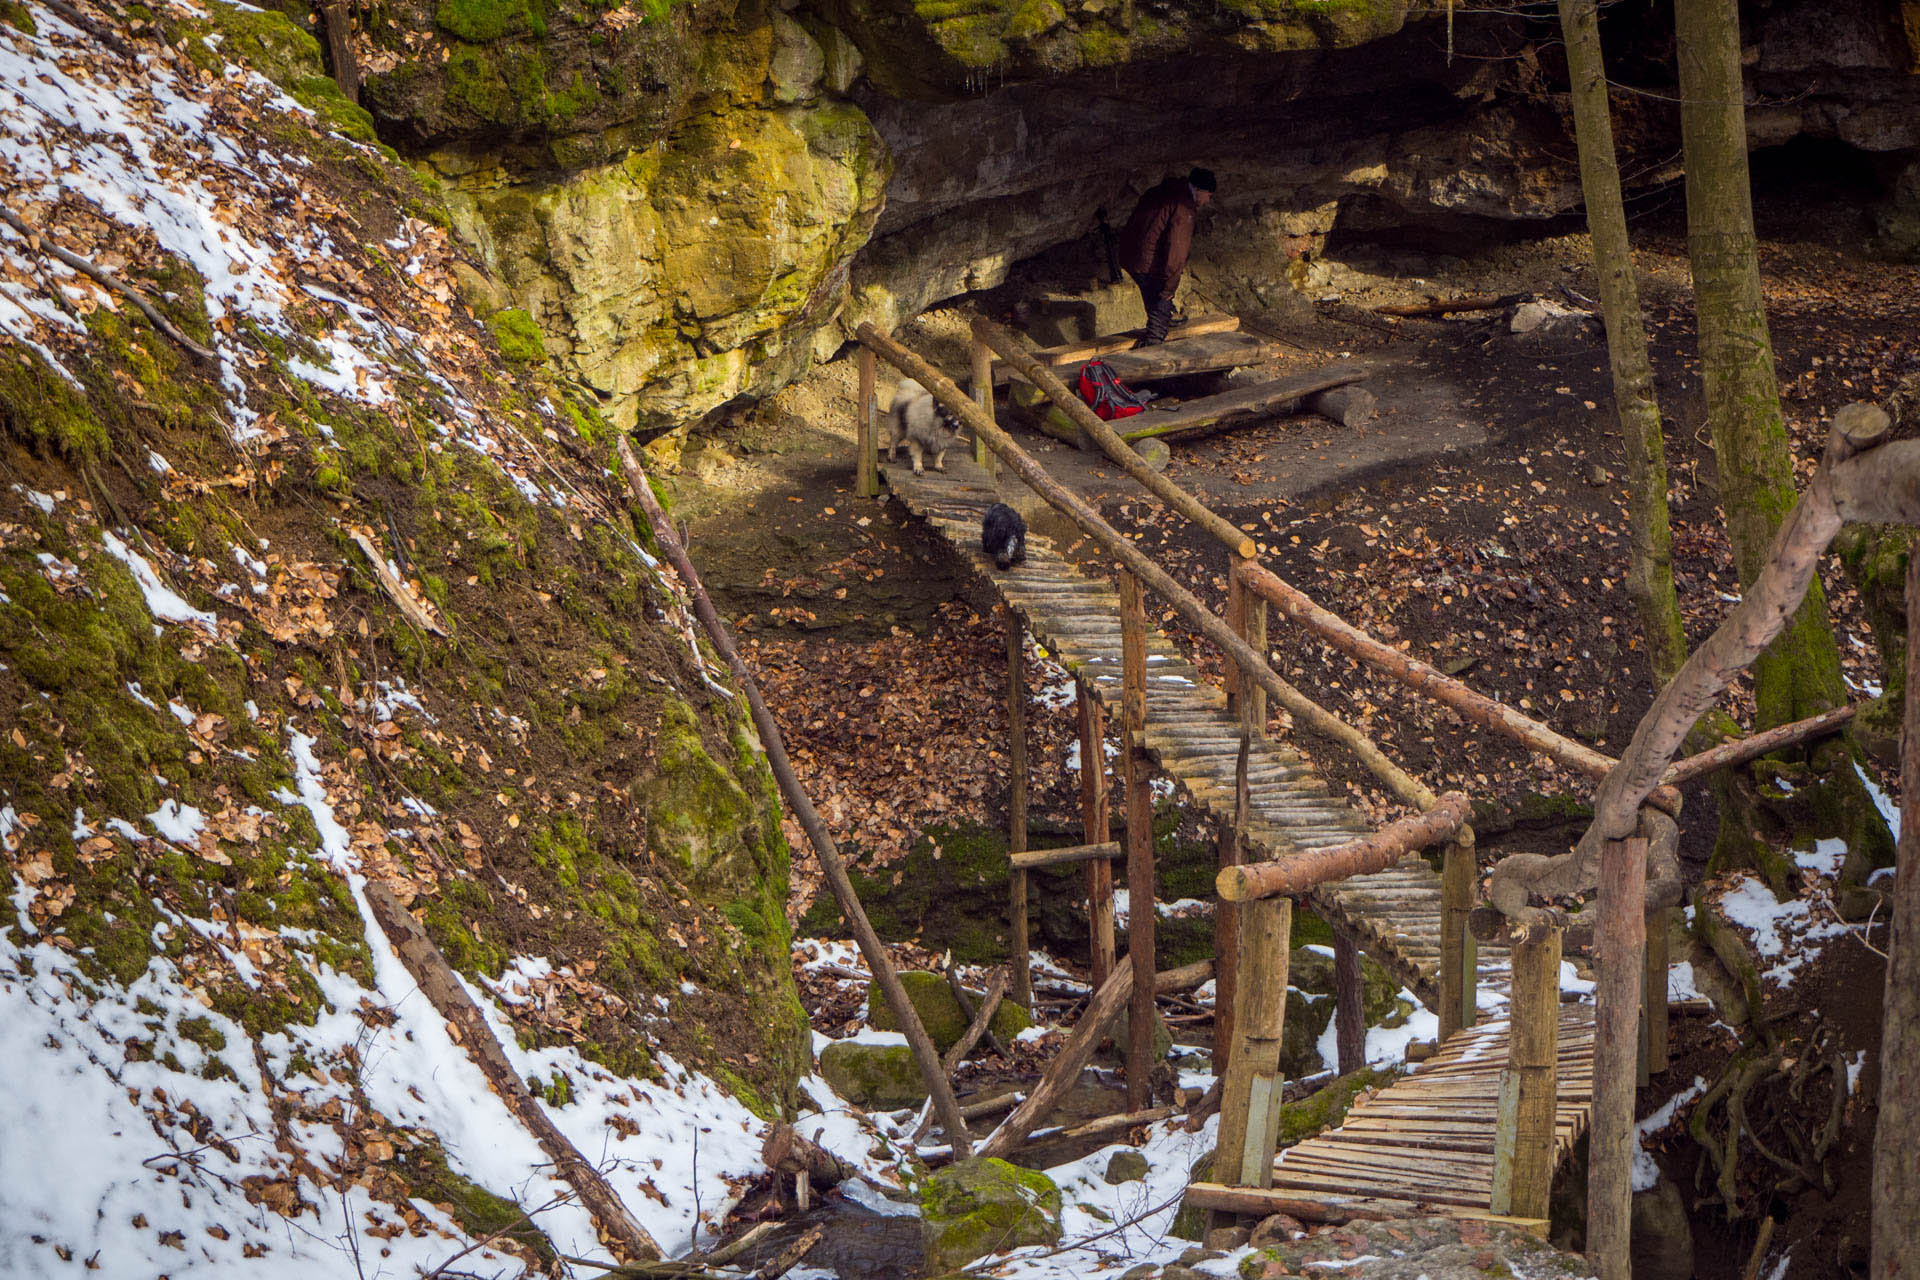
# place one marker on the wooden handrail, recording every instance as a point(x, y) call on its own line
point(1422, 678)
point(1312, 715)
point(1009, 349)
point(1312, 867)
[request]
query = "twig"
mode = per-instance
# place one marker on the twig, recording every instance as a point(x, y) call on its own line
point(73, 17)
point(525, 1219)
point(791, 1256)
point(108, 279)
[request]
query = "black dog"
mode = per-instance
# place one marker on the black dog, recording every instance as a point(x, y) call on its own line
point(1003, 535)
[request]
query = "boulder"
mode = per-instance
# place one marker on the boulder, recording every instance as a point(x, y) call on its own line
point(1661, 1234)
point(1162, 1035)
point(1275, 1229)
point(873, 1075)
point(981, 1206)
point(939, 1012)
point(1327, 1106)
point(798, 63)
point(1126, 1166)
point(1154, 453)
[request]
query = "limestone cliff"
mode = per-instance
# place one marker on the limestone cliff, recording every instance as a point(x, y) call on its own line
point(330, 587)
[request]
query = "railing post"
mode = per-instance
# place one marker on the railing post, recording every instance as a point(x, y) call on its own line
point(1017, 807)
point(1349, 1009)
point(1618, 943)
point(1251, 1094)
point(1094, 827)
point(867, 445)
point(1458, 953)
point(1140, 889)
point(1524, 1135)
point(983, 396)
point(1237, 619)
point(1255, 622)
point(1653, 998)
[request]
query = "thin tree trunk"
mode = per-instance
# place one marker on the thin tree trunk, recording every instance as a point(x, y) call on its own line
point(1896, 1174)
point(1799, 676)
point(1650, 563)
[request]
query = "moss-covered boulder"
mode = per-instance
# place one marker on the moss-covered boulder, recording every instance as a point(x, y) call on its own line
point(1125, 1166)
point(1311, 1004)
point(939, 1012)
point(873, 1075)
point(982, 1206)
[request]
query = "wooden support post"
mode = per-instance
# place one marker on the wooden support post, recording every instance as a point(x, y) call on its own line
point(1226, 921)
point(1017, 808)
point(1524, 1134)
point(983, 396)
point(867, 443)
point(1654, 1015)
point(1458, 998)
point(1250, 1097)
point(1620, 937)
point(1094, 826)
point(1349, 1008)
point(1140, 890)
point(1256, 635)
point(1237, 619)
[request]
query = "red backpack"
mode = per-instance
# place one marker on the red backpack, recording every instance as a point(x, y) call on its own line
point(1109, 397)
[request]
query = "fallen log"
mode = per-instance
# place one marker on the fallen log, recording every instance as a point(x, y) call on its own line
point(996, 991)
point(879, 962)
point(444, 992)
point(1302, 871)
point(1092, 1028)
point(1447, 306)
point(785, 1151)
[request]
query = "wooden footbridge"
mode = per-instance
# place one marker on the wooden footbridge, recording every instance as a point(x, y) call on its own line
point(1475, 1131)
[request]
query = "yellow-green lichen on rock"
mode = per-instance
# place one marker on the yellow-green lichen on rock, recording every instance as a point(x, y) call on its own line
point(688, 272)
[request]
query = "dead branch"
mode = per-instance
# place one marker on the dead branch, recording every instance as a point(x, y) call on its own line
point(879, 962)
point(443, 990)
point(981, 1020)
point(785, 1151)
point(108, 280)
point(1753, 746)
point(411, 609)
point(1446, 306)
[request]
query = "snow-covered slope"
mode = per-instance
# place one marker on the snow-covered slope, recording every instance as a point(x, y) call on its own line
point(351, 601)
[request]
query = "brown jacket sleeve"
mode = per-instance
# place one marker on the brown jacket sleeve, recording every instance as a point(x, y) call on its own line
point(1179, 239)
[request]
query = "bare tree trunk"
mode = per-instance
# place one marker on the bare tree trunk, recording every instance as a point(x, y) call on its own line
point(1799, 675)
point(1896, 1173)
point(1650, 564)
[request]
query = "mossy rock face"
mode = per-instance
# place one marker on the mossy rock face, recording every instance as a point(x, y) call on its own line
point(939, 1012)
point(873, 1075)
point(982, 1206)
point(271, 44)
point(939, 49)
point(1311, 1005)
point(1191, 1223)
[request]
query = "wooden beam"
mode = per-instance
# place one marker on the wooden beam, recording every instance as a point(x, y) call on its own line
point(1250, 1097)
point(1140, 888)
point(1621, 935)
point(1110, 443)
point(1017, 807)
point(1094, 825)
point(982, 396)
point(1458, 880)
point(879, 959)
point(980, 1018)
point(866, 443)
point(1524, 1133)
point(1233, 408)
point(1074, 353)
point(1311, 868)
point(1072, 854)
point(1349, 1011)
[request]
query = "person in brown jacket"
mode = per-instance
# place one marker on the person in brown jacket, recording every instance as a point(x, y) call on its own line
point(1154, 244)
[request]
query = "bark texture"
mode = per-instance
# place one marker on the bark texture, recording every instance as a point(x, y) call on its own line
point(1799, 675)
point(1650, 539)
point(1896, 1137)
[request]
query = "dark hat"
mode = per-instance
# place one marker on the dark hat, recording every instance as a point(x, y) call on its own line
point(1202, 179)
